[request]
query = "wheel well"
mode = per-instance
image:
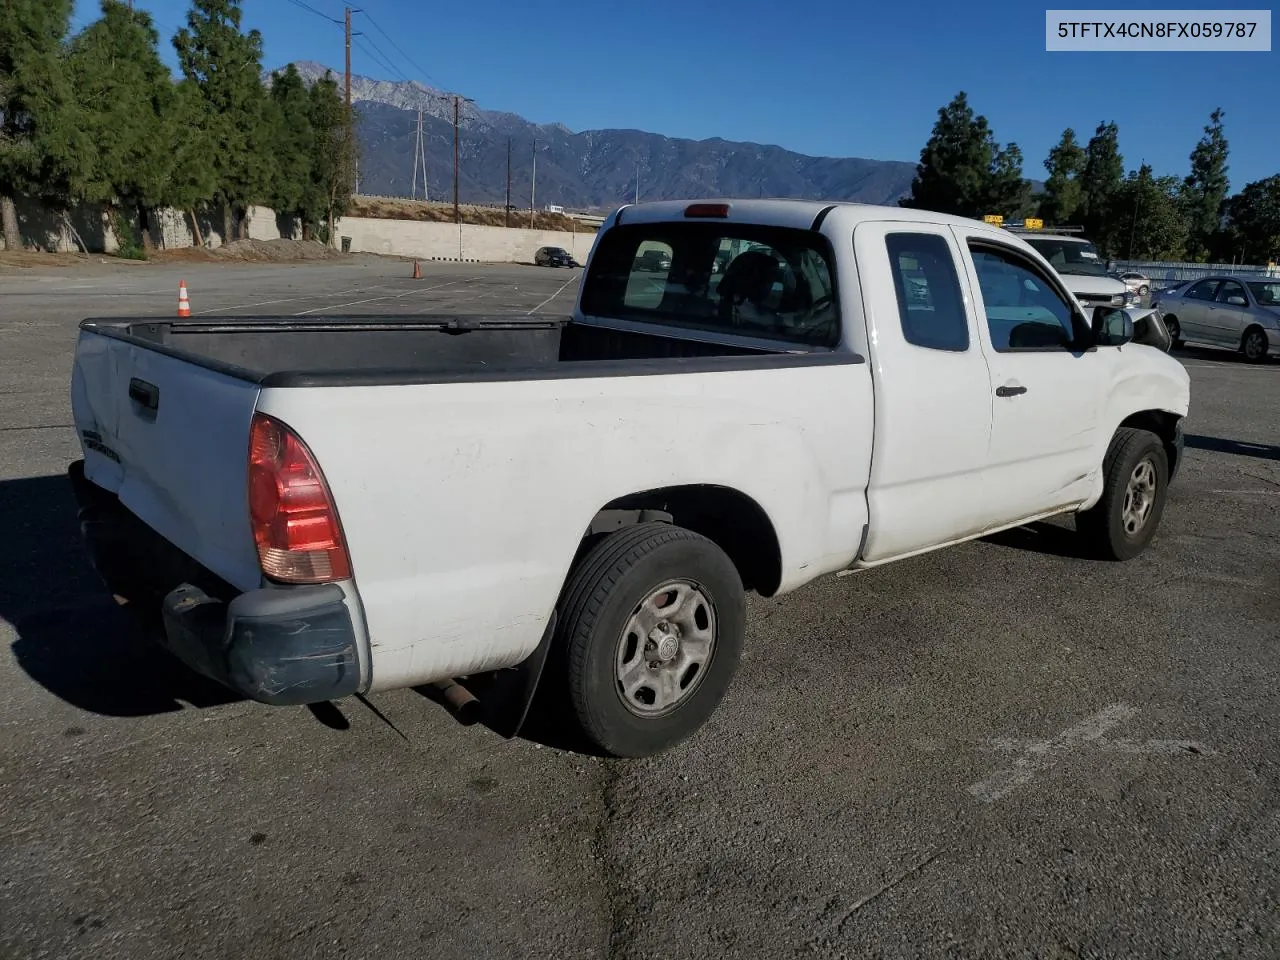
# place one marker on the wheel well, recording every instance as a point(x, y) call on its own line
point(1163, 424)
point(1249, 329)
point(730, 519)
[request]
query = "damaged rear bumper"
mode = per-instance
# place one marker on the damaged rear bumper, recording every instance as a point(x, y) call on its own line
point(281, 645)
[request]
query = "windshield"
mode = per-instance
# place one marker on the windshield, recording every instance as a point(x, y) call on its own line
point(1266, 292)
point(749, 280)
point(1070, 256)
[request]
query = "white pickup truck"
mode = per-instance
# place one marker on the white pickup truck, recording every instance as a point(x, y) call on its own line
point(339, 506)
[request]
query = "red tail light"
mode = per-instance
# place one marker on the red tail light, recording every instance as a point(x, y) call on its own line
point(295, 524)
point(707, 210)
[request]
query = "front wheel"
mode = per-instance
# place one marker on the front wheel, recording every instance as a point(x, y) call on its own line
point(652, 626)
point(1135, 486)
point(1254, 345)
point(1175, 332)
point(1143, 290)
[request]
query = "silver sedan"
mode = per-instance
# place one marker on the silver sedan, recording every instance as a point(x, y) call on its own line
point(1242, 313)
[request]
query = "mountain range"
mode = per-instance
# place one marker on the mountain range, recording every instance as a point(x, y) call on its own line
point(588, 170)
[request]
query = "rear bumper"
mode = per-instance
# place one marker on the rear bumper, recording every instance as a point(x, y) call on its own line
point(280, 645)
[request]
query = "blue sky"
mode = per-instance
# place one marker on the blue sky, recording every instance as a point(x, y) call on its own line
point(821, 77)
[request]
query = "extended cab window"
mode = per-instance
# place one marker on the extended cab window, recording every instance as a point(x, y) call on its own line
point(1023, 311)
point(930, 304)
point(773, 282)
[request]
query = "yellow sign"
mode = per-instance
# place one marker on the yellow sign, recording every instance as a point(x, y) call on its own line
point(994, 218)
point(1033, 223)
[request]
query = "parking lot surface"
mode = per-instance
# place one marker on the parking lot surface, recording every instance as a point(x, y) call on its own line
point(1000, 749)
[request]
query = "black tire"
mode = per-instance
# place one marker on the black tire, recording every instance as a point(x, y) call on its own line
point(1254, 345)
point(604, 591)
point(1105, 526)
point(1175, 331)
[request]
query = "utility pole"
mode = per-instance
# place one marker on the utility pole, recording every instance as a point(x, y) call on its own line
point(637, 181)
point(457, 214)
point(508, 218)
point(533, 185)
point(350, 144)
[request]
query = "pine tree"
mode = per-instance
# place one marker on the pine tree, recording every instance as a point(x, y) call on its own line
point(1205, 189)
point(1007, 192)
point(1148, 220)
point(955, 164)
point(122, 91)
point(1254, 221)
point(295, 145)
point(40, 143)
point(225, 65)
point(1101, 180)
point(332, 161)
point(964, 171)
point(1063, 194)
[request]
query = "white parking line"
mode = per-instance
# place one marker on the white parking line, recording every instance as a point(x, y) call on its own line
point(552, 297)
point(393, 296)
point(1039, 756)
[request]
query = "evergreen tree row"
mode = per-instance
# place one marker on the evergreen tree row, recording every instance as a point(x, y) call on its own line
point(96, 117)
point(963, 170)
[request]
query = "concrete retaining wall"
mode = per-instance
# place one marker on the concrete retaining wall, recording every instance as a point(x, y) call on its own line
point(171, 229)
point(449, 241)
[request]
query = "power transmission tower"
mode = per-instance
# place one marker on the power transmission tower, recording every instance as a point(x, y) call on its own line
point(533, 184)
point(419, 157)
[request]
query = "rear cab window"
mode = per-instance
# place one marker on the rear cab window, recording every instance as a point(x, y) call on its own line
point(930, 302)
point(775, 283)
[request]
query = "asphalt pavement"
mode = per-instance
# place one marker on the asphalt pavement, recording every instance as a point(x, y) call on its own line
point(997, 750)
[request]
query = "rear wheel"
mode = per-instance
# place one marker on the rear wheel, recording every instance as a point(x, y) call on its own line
point(1135, 486)
point(652, 625)
point(1254, 345)
point(1143, 290)
point(1175, 331)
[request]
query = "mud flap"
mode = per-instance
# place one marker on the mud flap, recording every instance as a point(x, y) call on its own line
point(507, 701)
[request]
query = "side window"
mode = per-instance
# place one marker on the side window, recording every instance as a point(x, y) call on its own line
point(1023, 311)
point(930, 304)
point(648, 280)
point(1202, 290)
point(1231, 289)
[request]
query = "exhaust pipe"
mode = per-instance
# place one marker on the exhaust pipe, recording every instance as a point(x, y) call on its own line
point(459, 701)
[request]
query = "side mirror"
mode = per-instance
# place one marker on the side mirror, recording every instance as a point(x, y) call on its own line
point(1111, 327)
point(1237, 301)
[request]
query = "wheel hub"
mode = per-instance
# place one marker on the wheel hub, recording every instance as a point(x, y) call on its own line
point(664, 643)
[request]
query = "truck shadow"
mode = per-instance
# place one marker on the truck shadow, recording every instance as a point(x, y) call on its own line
point(72, 639)
point(1042, 537)
point(1240, 448)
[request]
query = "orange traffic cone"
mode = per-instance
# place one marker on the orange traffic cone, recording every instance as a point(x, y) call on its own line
point(184, 305)
point(417, 273)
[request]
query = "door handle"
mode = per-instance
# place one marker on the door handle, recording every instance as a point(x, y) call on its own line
point(1007, 391)
point(146, 395)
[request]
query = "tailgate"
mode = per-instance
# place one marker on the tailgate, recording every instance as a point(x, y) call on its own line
point(170, 438)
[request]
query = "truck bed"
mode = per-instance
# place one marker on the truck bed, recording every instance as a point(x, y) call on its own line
point(362, 351)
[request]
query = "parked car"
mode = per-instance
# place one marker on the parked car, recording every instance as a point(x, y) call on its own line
point(554, 257)
point(654, 260)
point(1242, 313)
point(595, 495)
point(1136, 283)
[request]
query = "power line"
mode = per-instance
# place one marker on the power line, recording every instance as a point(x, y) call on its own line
point(378, 56)
point(408, 59)
point(303, 5)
